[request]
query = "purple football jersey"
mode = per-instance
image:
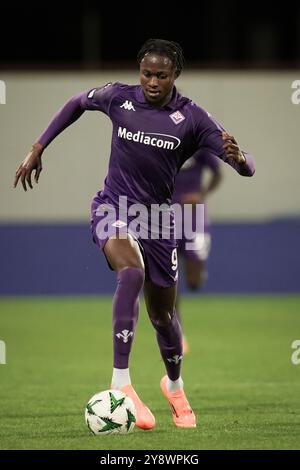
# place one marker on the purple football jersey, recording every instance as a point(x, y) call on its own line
point(149, 144)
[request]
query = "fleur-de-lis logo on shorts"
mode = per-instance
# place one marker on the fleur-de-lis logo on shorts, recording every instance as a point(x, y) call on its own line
point(119, 224)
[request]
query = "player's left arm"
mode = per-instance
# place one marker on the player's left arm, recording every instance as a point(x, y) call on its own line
point(212, 136)
point(237, 158)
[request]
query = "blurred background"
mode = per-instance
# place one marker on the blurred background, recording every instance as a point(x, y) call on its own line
point(241, 62)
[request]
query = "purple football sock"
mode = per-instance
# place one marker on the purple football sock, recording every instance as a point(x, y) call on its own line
point(169, 338)
point(125, 313)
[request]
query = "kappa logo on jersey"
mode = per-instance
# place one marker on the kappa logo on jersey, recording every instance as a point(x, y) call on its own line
point(150, 138)
point(127, 105)
point(124, 335)
point(119, 223)
point(177, 117)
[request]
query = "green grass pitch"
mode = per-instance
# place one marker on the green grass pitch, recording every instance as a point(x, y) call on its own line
point(238, 376)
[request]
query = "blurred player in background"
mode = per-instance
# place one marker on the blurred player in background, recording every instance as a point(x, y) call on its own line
point(155, 129)
point(191, 188)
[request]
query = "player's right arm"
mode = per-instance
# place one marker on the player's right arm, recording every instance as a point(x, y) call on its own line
point(97, 99)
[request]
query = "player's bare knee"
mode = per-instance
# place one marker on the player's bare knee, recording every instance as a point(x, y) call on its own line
point(123, 253)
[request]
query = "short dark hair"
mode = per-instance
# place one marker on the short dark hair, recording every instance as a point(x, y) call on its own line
point(162, 47)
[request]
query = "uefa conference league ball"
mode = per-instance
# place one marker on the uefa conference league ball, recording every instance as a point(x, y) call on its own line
point(110, 412)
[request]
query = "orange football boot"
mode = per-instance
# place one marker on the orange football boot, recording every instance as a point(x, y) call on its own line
point(183, 415)
point(144, 419)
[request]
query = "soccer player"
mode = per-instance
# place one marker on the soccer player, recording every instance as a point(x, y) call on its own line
point(190, 188)
point(155, 130)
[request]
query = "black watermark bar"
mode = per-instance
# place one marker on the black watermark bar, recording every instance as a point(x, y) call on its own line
point(136, 458)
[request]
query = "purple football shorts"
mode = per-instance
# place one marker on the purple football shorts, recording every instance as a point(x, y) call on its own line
point(155, 236)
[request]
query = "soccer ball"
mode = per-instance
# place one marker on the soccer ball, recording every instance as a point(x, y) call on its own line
point(110, 412)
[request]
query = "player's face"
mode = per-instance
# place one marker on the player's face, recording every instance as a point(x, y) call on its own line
point(157, 77)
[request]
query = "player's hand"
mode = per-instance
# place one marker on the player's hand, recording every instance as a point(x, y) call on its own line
point(33, 161)
point(232, 149)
